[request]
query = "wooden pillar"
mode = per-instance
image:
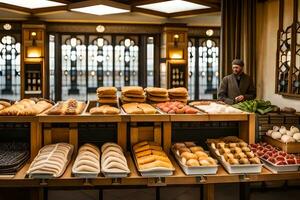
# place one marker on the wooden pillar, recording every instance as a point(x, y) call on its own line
point(122, 135)
point(167, 136)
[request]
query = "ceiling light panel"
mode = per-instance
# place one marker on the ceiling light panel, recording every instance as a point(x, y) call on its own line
point(32, 4)
point(100, 10)
point(173, 6)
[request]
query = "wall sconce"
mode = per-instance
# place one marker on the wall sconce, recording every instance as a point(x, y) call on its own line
point(176, 39)
point(33, 51)
point(176, 54)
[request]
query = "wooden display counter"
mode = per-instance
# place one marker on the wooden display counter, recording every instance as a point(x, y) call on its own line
point(41, 133)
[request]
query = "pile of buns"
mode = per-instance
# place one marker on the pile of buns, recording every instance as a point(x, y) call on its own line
point(26, 107)
point(139, 108)
point(4, 104)
point(51, 160)
point(178, 94)
point(105, 109)
point(113, 159)
point(133, 94)
point(150, 155)
point(107, 95)
point(69, 107)
point(192, 155)
point(234, 152)
point(156, 95)
point(87, 160)
point(176, 107)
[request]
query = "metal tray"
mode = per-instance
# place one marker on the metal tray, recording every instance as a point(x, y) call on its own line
point(50, 175)
point(238, 169)
point(85, 174)
point(280, 168)
point(195, 170)
point(115, 175)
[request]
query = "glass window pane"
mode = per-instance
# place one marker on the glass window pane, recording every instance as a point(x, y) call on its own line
point(73, 67)
point(10, 68)
point(150, 62)
point(52, 66)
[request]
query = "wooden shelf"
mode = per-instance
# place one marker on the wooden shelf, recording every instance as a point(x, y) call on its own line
point(149, 118)
point(17, 119)
point(228, 117)
point(188, 117)
point(80, 118)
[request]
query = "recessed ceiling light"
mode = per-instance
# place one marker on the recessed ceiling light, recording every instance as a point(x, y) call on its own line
point(173, 6)
point(32, 4)
point(100, 10)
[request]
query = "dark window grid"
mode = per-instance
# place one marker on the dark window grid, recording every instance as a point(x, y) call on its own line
point(9, 67)
point(113, 77)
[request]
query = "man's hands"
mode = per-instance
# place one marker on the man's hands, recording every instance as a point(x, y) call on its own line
point(239, 98)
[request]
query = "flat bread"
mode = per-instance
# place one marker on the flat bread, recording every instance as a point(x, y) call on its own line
point(180, 91)
point(134, 95)
point(108, 101)
point(104, 109)
point(147, 109)
point(112, 96)
point(106, 90)
point(132, 108)
point(156, 91)
point(132, 90)
point(158, 99)
point(128, 99)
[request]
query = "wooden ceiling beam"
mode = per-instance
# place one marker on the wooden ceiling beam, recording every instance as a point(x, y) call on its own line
point(98, 2)
point(49, 9)
point(194, 12)
point(209, 3)
point(150, 12)
point(15, 8)
point(143, 2)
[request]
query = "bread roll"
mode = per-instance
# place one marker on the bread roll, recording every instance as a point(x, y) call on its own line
point(188, 155)
point(192, 163)
point(196, 148)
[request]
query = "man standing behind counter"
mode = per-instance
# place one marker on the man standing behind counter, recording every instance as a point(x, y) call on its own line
point(237, 86)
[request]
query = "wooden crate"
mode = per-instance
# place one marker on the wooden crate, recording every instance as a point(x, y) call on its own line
point(293, 147)
point(276, 118)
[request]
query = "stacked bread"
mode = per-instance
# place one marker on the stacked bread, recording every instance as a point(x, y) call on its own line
point(138, 108)
point(69, 107)
point(51, 160)
point(87, 160)
point(113, 159)
point(178, 94)
point(4, 104)
point(133, 94)
point(150, 155)
point(107, 95)
point(105, 109)
point(192, 155)
point(156, 95)
point(26, 107)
